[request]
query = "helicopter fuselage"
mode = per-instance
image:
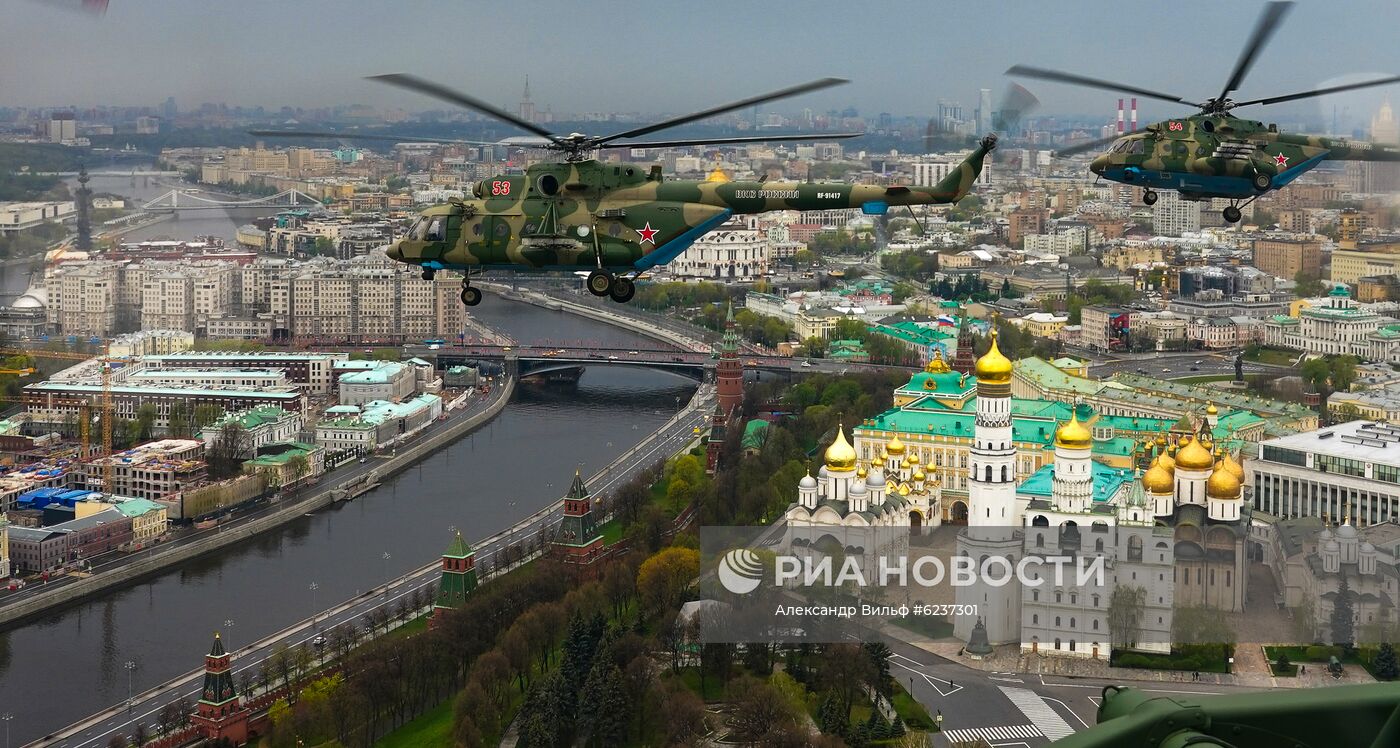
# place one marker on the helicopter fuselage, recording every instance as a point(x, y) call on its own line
point(623, 218)
point(1222, 156)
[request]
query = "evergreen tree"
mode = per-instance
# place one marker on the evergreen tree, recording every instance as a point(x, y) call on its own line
point(604, 712)
point(833, 720)
point(1343, 626)
point(1385, 665)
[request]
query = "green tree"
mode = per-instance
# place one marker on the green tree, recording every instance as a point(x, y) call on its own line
point(1125, 611)
point(1385, 665)
point(1343, 618)
point(1308, 284)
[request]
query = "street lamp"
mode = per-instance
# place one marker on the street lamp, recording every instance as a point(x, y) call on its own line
point(313, 587)
point(384, 571)
point(7, 717)
point(130, 667)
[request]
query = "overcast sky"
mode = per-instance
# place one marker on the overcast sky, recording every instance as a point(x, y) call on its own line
point(664, 56)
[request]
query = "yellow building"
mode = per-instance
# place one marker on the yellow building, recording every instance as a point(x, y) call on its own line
point(4, 547)
point(1367, 258)
point(149, 520)
point(1042, 324)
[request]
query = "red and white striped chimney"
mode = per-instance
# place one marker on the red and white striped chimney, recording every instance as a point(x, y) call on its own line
point(1120, 116)
point(1134, 114)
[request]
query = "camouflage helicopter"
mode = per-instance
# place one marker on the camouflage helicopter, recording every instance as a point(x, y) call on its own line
point(1213, 153)
point(617, 220)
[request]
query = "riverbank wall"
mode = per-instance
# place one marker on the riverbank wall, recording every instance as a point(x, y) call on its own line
point(157, 563)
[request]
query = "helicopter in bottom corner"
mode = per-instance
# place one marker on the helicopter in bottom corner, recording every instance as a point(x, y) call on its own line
point(1212, 153)
point(616, 220)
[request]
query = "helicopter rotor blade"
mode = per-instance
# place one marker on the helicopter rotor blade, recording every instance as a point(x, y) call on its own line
point(1092, 145)
point(815, 85)
point(1080, 80)
point(443, 93)
point(734, 140)
point(1016, 104)
point(362, 136)
point(1321, 91)
point(1268, 23)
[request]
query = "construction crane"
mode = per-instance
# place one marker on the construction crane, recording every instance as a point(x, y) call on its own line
point(105, 408)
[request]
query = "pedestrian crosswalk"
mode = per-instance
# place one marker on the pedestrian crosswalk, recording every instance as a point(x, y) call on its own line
point(992, 735)
point(1051, 724)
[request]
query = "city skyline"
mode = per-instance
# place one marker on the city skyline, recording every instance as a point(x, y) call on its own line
point(940, 52)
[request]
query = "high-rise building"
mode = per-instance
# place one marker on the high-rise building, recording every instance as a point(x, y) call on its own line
point(526, 108)
point(984, 111)
point(1173, 216)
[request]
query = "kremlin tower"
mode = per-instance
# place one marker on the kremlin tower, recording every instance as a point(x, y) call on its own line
point(458, 577)
point(729, 386)
point(218, 714)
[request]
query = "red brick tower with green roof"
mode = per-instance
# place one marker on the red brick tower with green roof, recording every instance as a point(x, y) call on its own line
point(458, 577)
point(579, 543)
point(218, 713)
point(729, 386)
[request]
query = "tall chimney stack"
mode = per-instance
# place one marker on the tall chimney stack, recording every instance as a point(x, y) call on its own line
point(1134, 114)
point(1120, 116)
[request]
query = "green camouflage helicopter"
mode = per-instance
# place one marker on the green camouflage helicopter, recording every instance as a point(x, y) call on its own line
point(616, 219)
point(1214, 153)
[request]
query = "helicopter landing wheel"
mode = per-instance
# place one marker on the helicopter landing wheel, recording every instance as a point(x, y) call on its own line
point(622, 290)
point(1149, 197)
point(1262, 182)
point(471, 295)
point(600, 282)
point(428, 274)
point(1231, 214)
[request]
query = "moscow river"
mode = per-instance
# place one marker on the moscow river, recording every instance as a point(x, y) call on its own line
point(63, 667)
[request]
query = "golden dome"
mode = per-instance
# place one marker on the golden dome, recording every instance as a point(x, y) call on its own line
point(1235, 468)
point(895, 446)
point(913, 458)
point(919, 475)
point(1167, 462)
point(1212, 410)
point(1222, 484)
point(1161, 439)
point(840, 455)
point(993, 368)
point(905, 462)
point(1157, 479)
point(1193, 456)
point(1073, 435)
point(904, 489)
point(861, 472)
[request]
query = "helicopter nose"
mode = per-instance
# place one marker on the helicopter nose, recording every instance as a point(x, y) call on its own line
point(1098, 165)
point(394, 252)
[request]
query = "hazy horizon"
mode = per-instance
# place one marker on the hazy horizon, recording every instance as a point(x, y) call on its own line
point(649, 58)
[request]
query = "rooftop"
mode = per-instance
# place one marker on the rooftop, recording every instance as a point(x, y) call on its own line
point(1356, 440)
point(1107, 482)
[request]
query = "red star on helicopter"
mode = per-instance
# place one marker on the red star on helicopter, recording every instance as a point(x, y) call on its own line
point(647, 233)
point(1281, 160)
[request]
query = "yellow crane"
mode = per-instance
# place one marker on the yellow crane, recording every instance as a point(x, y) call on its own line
point(84, 418)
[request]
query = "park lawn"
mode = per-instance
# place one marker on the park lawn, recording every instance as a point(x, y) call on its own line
point(611, 531)
point(1276, 356)
point(430, 729)
point(714, 688)
point(914, 715)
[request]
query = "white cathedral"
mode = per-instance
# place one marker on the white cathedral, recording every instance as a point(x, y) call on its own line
point(1172, 534)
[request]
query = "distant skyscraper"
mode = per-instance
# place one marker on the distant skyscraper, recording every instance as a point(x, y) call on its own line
point(527, 107)
point(169, 110)
point(1384, 127)
point(84, 200)
point(984, 110)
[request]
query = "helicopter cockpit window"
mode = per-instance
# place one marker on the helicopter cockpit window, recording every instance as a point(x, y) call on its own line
point(419, 232)
point(437, 229)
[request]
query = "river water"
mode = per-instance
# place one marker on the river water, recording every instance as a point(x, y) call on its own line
point(63, 667)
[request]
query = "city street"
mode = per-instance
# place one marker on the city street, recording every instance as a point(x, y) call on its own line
point(146, 707)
